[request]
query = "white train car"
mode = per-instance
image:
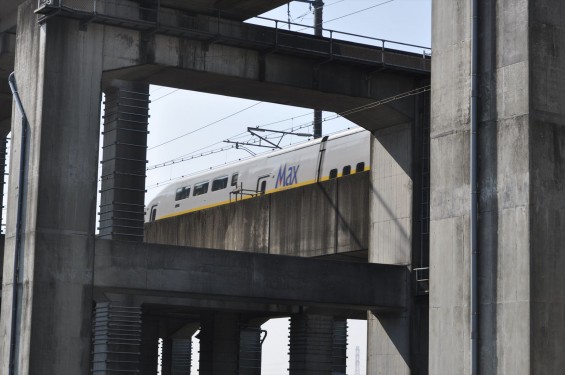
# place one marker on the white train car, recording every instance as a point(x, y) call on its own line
point(318, 160)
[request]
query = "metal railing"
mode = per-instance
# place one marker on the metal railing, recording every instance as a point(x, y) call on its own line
point(330, 34)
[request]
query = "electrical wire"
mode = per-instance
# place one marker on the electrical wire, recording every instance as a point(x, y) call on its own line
point(359, 11)
point(161, 97)
point(348, 112)
point(204, 127)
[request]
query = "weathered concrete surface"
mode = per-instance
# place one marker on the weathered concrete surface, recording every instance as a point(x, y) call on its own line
point(220, 274)
point(59, 215)
point(390, 242)
point(521, 177)
point(242, 226)
point(320, 219)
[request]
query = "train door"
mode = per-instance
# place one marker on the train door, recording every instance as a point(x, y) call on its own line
point(262, 184)
point(153, 213)
point(320, 161)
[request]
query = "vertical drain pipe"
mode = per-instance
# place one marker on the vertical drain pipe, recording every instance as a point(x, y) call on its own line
point(19, 220)
point(474, 201)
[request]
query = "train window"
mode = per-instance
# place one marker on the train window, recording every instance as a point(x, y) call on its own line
point(220, 183)
point(182, 193)
point(153, 213)
point(234, 179)
point(201, 188)
point(263, 186)
point(346, 170)
point(360, 167)
point(333, 173)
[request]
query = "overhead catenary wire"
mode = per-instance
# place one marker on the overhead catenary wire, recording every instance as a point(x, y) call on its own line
point(356, 12)
point(349, 14)
point(205, 126)
point(351, 111)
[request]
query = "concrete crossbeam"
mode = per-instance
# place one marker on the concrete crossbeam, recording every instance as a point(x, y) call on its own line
point(219, 274)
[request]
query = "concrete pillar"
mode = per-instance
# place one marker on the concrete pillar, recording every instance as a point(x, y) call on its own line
point(124, 161)
point(181, 356)
point(311, 344)
point(521, 187)
point(58, 70)
point(390, 241)
point(116, 339)
point(219, 344)
point(250, 350)
point(339, 351)
point(149, 349)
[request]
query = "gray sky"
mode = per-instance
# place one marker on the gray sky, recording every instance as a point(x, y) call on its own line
point(174, 113)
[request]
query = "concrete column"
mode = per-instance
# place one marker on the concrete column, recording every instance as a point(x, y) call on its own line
point(149, 349)
point(167, 356)
point(124, 161)
point(521, 187)
point(390, 241)
point(219, 344)
point(250, 350)
point(181, 356)
point(116, 339)
point(339, 352)
point(311, 344)
point(58, 70)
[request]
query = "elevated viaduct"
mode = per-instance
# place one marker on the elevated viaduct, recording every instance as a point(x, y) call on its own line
point(95, 294)
point(70, 51)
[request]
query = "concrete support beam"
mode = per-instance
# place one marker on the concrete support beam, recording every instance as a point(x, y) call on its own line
point(521, 185)
point(178, 271)
point(54, 308)
point(259, 72)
